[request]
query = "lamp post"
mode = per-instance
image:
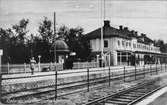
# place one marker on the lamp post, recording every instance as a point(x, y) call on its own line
point(39, 62)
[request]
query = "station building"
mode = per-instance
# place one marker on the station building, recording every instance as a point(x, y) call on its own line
point(122, 46)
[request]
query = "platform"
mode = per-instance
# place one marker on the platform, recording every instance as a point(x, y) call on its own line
point(158, 98)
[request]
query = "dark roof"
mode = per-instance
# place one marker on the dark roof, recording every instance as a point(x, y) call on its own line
point(60, 46)
point(144, 39)
point(109, 31)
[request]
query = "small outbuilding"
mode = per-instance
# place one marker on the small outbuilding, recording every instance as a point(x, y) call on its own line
point(61, 51)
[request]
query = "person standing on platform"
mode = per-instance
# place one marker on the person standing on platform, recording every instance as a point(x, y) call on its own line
point(32, 65)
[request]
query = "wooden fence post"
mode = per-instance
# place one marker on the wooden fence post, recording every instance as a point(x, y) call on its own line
point(144, 70)
point(156, 69)
point(165, 66)
point(161, 67)
point(1, 53)
point(8, 67)
point(24, 67)
point(88, 79)
point(55, 82)
point(150, 70)
point(135, 72)
point(109, 74)
point(124, 74)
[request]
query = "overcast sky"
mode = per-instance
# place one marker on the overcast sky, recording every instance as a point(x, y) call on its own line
point(148, 16)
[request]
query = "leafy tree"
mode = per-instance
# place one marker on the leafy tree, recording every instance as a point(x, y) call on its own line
point(160, 43)
point(75, 40)
point(21, 30)
point(5, 44)
point(46, 41)
point(163, 48)
point(45, 30)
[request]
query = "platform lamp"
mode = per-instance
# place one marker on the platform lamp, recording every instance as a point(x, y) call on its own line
point(39, 62)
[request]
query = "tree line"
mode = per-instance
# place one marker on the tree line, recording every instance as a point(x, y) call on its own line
point(19, 45)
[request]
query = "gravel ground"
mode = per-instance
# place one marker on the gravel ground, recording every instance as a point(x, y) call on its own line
point(83, 97)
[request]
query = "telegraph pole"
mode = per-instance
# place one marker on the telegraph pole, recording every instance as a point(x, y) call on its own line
point(54, 32)
point(102, 31)
point(54, 36)
point(1, 53)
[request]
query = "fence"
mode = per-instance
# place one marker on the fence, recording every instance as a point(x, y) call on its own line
point(105, 74)
point(25, 68)
point(81, 65)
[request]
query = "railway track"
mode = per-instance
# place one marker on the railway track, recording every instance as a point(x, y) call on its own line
point(129, 96)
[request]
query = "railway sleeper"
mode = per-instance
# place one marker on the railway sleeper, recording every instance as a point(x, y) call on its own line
point(140, 94)
point(121, 99)
point(132, 95)
point(128, 97)
point(142, 91)
point(110, 102)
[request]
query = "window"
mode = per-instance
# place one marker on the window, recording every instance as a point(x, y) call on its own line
point(130, 44)
point(123, 43)
point(118, 43)
point(134, 45)
point(126, 43)
point(106, 43)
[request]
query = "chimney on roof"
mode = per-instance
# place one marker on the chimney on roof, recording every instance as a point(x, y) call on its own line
point(136, 33)
point(106, 23)
point(126, 28)
point(132, 32)
point(120, 27)
point(143, 35)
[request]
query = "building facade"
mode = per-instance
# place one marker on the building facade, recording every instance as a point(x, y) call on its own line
point(122, 46)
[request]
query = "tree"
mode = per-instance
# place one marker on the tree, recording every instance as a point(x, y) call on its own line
point(46, 41)
point(160, 43)
point(21, 30)
point(45, 30)
point(5, 44)
point(75, 40)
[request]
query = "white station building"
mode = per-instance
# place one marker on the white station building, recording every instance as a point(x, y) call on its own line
point(122, 46)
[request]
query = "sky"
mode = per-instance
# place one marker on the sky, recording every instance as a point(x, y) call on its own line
point(144, 16)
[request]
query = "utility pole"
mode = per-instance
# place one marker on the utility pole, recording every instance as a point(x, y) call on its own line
point(54, 40)
point(102, 31)
point(54, 36)
point(1, 53)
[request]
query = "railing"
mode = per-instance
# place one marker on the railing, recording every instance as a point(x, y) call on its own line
point(81, 65)
point(106, 74)
point(25, 68)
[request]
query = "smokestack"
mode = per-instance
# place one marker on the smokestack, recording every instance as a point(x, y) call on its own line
point(143, 35)
point(132, 31)
point(120, 27)
point(136, 33)
point(106, 23)
point(126, 28)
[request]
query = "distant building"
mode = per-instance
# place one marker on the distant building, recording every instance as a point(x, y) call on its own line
point(122, 46)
